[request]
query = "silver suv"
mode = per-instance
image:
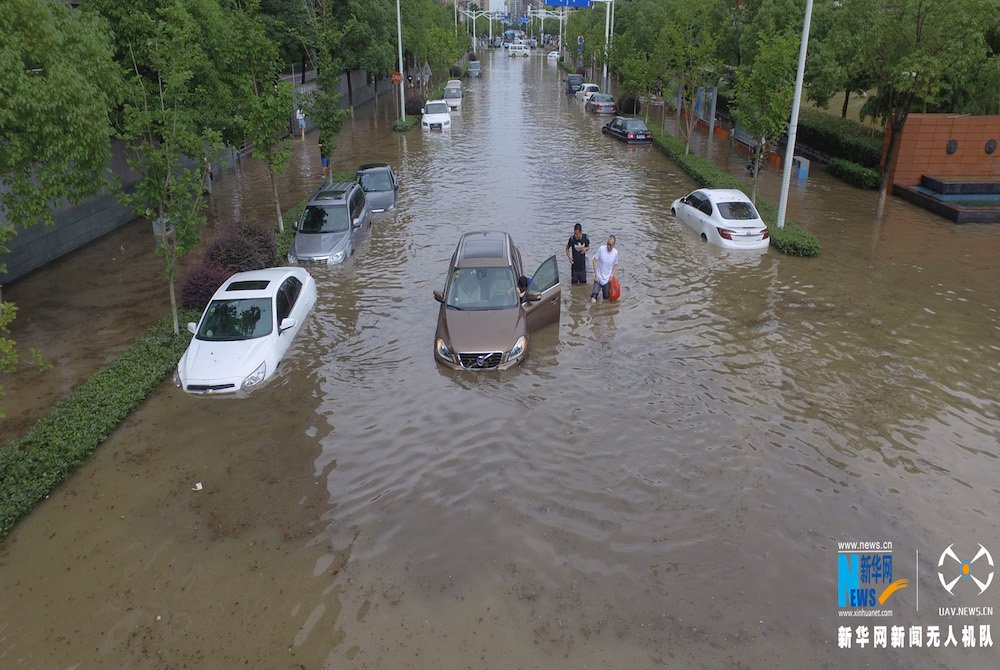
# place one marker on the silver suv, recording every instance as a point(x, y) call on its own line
point(332, 224)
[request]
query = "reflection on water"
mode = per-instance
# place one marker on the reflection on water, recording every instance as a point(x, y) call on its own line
point(663, 483)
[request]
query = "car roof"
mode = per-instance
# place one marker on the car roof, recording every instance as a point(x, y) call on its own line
point(725, 194)
point(453, 82)
point(591, 84)
point(334, 193)
point(254, 284)
point(374, 166)
point(484, 249)
point(602, 97)
point(441, 100)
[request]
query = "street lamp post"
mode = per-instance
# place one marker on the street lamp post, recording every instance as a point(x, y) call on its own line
point(786, 170)
point(399, 42)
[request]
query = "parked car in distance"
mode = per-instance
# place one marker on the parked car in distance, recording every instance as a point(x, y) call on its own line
point(518, 50)
point(475, 68)
point(587, 90)
point(245, 331)
point(453, 94)
point(629, 130)
point(601, 103)
point(532, 43)
point(483, 322)
point(725, 217)
point(436, 115)
point(333, 222)
point(380, 184)
point(553, 55)
point(573, 83)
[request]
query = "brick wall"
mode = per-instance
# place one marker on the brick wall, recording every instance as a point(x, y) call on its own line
point(923, 147)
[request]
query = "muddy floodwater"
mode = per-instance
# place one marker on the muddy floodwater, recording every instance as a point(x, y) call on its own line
point(664, 483)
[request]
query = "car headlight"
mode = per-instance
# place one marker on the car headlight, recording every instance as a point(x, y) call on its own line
point(336, 258)
point(518, 348)
point(448, 122)
point(442, 349)
point(256, 377)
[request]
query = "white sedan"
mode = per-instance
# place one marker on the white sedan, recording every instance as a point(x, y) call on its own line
point(587, 90)
point(725, 217)
point(246, 330)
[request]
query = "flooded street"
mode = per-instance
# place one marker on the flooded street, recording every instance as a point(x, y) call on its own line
point(663, 483)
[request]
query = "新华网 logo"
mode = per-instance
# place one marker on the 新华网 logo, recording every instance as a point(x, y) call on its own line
point(864, 578)
point(950, 576)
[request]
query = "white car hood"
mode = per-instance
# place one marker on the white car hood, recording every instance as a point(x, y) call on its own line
point(207, 362)
point(436, 118)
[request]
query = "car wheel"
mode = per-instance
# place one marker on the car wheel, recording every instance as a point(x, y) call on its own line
point(673, 212)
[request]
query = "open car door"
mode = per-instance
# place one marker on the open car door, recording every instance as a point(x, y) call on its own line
point(545, 283)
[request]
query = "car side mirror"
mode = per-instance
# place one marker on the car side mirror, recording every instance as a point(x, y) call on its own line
point(532, 296)
point(286, 323)
point(192, 327)
point(439, 296)
point(422, 111)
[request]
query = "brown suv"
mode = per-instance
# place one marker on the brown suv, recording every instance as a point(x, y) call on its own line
point(484, 323)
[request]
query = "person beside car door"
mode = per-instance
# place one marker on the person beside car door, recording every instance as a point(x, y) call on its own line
point(605, 264)
point(576, 253)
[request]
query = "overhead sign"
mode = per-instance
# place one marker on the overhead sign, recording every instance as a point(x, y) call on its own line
point(523, 20)
point(568, 3)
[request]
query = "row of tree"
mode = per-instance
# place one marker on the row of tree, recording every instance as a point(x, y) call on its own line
point(924, 55)
point(176, 81)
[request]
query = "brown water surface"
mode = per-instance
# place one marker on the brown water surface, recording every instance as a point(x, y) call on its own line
point(663, 483)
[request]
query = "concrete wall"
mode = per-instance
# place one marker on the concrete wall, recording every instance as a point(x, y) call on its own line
point(924, 143)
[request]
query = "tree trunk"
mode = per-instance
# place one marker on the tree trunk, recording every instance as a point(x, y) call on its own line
point(277, 203)
point(350, 92)
point(173, 306)
point(894, 128)
point(757, 156)
point(847, 99)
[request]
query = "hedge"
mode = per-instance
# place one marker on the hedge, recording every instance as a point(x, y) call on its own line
point(32, 466)
point(790, 240)
point(840, 138)
point(854, 174)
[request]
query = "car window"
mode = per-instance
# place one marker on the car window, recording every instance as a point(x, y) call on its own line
point(319, 219)
point(453, 93)
point(357, 204)
point(376, 181)
point(482, 289)
point(706, 206)
point(436, 108)
point(738, 211)
point(287, 295)
point(282, 306)
point(545, 277)
point(694, 199)
point(636, 125)
point(233, 320)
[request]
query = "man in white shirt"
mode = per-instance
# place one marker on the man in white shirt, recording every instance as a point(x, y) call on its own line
point(605, 264)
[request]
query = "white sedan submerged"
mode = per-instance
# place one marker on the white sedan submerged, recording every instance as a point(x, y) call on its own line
point(723, 216)
point(246, 330)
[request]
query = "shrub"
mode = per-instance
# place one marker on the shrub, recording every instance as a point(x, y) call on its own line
point(402, 125)
point(237, 251)
point(854, 174)
point(263, 240)
point(790, 239)
point(840, 138)
point(200, 284)
point(415, 101)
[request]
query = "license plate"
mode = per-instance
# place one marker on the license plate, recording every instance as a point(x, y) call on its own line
point(435, 126)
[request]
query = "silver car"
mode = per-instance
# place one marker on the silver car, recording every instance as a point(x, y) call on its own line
point(380, 184)
point(332, 224)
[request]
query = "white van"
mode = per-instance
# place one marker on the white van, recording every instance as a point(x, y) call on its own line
point(518, 50)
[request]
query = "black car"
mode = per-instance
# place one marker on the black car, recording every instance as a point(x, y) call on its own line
point(573, 83)
point(628, 129)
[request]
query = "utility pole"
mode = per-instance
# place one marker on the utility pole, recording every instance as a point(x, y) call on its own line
point(402, 72)
point(786, 169)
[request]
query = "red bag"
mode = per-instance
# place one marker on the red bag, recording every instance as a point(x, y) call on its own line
point(614, 290)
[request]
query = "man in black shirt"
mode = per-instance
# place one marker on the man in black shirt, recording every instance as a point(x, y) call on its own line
point(576, 253)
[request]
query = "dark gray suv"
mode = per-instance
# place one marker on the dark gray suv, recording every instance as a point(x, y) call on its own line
point(332, 224)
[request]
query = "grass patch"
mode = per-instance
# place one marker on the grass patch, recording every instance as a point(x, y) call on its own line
point(403, 125)
point(32, 466)
point(791, 239)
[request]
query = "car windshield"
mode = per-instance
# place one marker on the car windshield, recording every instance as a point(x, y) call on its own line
point(233, 320)
point(739, 211)
point(600, 97)
point(635, 126)
point(453, 93)
point(482, 288)
point(436, 108)
point(317, 219)
point(376, 181)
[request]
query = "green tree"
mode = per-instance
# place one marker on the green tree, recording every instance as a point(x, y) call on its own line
point(324, 103)
point(763, 95)
point(912, 48)
point(267, 101)
point(177, 107)
point(686, 49)
point(57, 87)
point(368, 38)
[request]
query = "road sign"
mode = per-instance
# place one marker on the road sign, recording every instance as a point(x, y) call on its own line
point(397, 77)
point(523, 20)
point(568, 3)
point(579, 41)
